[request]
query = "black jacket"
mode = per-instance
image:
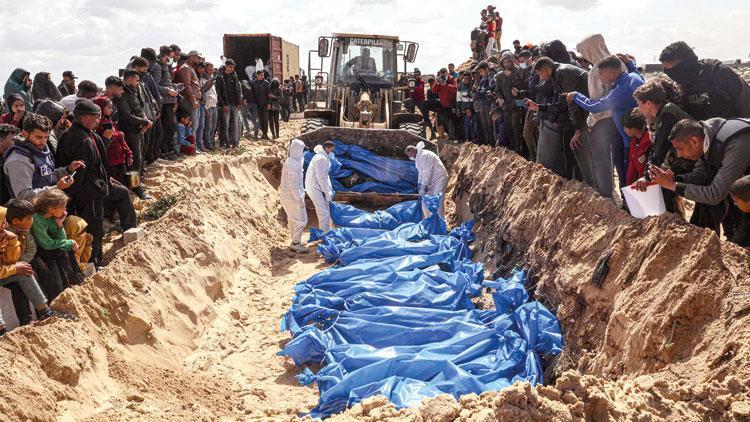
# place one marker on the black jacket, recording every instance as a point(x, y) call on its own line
point(566, 78)
point(130, 114)
point(261, 90)
point(228, 89)
point(92, 181)
point(247, 92)
point(716, 91)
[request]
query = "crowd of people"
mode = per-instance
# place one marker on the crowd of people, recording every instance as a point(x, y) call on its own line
point(70, 153)
point(591, 114)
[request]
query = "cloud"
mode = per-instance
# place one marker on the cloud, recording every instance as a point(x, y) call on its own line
point(571, 4)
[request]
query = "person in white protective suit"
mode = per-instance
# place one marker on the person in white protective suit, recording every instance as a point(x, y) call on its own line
point(292, 193)
point(318, 184)
point(433, 177)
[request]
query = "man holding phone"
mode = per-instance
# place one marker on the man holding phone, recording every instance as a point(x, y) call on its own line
point(508, 82)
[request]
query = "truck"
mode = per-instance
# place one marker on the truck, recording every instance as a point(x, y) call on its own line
point(361, 86)
point(280, 57)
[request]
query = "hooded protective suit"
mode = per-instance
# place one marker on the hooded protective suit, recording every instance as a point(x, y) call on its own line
point(292, 190)
point(15, 85)
point(318, 187)
point(433, 177)
point(44, 89)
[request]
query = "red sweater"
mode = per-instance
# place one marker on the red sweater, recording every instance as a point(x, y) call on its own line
point(446, 93)
point(118, 151)
point(8, 119)
point(638, 157)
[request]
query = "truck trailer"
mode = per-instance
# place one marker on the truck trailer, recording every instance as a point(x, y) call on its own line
point(280, 56)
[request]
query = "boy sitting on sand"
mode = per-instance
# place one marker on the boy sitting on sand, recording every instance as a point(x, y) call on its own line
point(185, 138)
point(54, 248)
point(13, 249)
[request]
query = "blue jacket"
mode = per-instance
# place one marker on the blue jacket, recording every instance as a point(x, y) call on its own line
point(619, 100)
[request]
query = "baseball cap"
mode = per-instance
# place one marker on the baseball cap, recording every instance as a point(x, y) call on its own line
point(194, 53)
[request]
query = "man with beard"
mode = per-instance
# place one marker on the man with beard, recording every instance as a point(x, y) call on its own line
point(68, 84)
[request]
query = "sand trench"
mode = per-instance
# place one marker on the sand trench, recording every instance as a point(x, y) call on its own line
point(183, 324)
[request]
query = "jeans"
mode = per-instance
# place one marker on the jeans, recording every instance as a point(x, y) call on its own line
point(230, 127)
point(253, 114)
point(210, 126)
point(29, 286)
point(620, 156)
point(195, 116)
point(201, 127)
point(530, 129)
point(600, 139)
point(245, 112)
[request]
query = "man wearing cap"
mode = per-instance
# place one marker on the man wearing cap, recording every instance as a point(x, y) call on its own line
point(191, 92)
point(93, 187)
point(86, 89)
point(68, 84)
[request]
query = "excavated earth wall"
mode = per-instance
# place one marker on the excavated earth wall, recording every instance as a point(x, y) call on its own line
point(666, 336)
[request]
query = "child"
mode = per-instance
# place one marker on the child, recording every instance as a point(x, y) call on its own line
point(17, 107)
point(13, 269)
point(185, 138)
point(470, 126)
point(55, 250)
point(740, 192)
point(498, 127)
point(119, 154)
point(634, 124)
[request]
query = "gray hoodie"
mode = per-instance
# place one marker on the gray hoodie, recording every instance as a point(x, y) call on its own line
point(594, 49)
point(20, 172)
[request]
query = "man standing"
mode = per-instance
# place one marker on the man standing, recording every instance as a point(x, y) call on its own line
point(563, 145)
point(508, 80)
point(163, 78)
point(93, 186)
point(721, 151)
point(146, 89)
point(710, 88)
point(261, 87)
point(68, 84)
point(619, 100)
point(485, 94)
point(318, 184)
point(418, 100)
point(191, 92)
point(229, 95)
point(86, 89)
point(132, 121)
point(432, 174)
point(298, 89)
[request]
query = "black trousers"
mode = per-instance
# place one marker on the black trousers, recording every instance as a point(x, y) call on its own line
point(56, 270)
point(93, 212)
point(274, 122)
point(167, 140)
point(263, 119)
point(20, 303)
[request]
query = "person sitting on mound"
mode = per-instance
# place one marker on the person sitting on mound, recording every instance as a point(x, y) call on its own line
point(185, 134)
point(12, 270)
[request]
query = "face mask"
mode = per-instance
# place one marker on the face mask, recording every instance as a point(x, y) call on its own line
point(413, 158)
point(685, 73)
point(523, 65)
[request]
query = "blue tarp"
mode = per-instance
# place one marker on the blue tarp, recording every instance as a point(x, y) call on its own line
point(385, 174)
point(349, 216)
point(394, 317)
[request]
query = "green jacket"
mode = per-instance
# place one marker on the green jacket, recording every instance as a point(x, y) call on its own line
point(48, 236)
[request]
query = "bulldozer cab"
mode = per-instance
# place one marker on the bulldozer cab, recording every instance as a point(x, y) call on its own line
point(360, 90)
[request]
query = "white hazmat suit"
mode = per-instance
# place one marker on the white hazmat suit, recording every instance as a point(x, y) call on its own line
point(292, 190)
point(433, 177)
point(318, 187)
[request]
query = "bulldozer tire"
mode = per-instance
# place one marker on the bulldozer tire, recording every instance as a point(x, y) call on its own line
point(414, 128)
point(312, 124)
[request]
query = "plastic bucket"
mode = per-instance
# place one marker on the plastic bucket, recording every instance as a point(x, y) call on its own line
point(644, 204)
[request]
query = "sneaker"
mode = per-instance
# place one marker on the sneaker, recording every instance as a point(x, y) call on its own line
point(140, 192)
point(296, 247)
point(49, 313)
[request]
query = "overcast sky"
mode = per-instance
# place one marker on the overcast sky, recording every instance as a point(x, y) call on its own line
point(94, 38)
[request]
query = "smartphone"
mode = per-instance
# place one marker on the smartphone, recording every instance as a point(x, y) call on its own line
point(520, 103)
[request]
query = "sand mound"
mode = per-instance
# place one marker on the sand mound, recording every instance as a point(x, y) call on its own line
point(183, 324)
